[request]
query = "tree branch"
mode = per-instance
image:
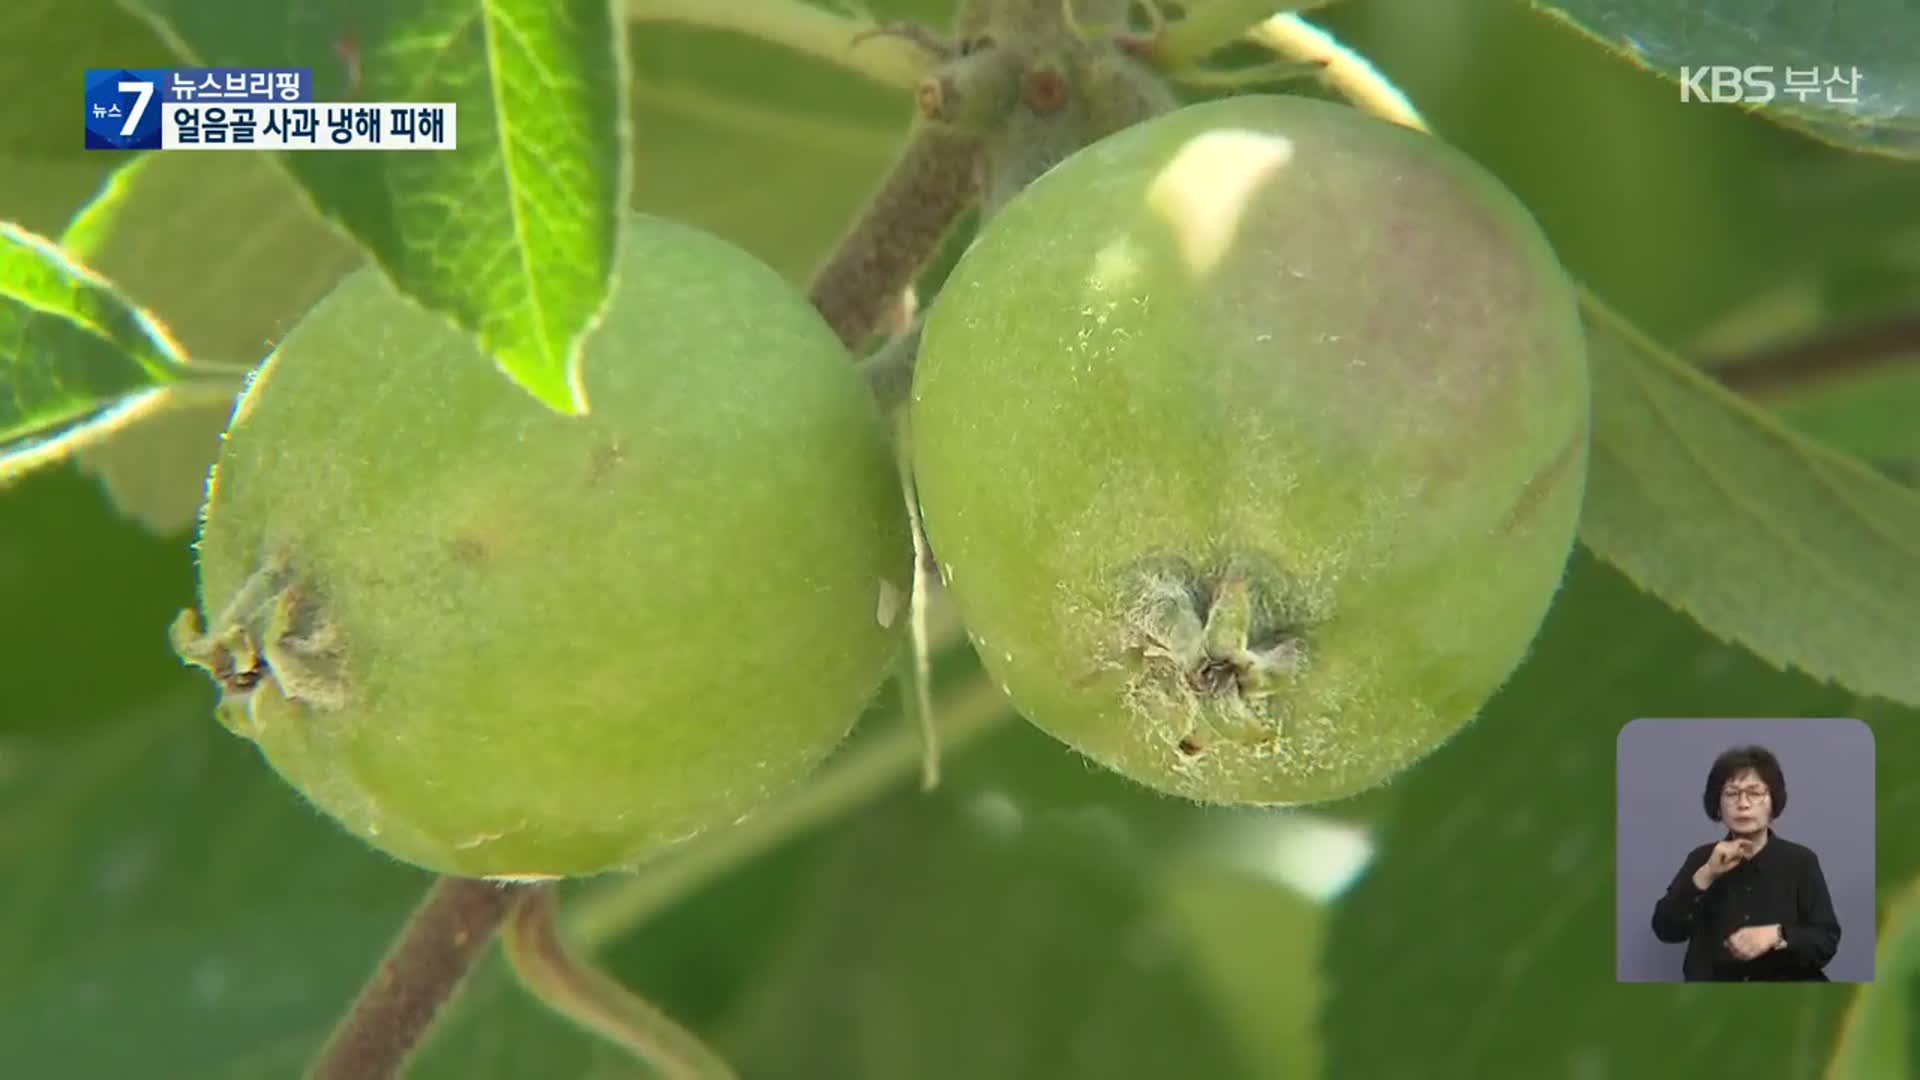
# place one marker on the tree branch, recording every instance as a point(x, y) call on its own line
point(442, 940)
point(932, 183)
point(1780, 370)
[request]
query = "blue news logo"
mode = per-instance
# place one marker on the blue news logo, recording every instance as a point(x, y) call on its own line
point(123, 108)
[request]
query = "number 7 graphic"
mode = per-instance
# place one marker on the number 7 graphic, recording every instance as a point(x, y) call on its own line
point(143, 93)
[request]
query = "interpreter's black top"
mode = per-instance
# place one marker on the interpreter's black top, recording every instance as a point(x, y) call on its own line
point(1781, 884)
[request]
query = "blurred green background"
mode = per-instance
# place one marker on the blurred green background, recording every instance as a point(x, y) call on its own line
point(171, 910)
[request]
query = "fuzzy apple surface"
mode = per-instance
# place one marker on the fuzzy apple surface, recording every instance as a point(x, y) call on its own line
point(497, 641)
point(1251, 442)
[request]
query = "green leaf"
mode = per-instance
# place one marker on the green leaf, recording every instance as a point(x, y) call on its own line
point(41, 196)
point(1801, 554)
point(1881, 1037)
point(1876, 40)
point(50, 43)
point(1485, 928)
point(238, 910)
point(72, 349)
point(512, 234)
point(1257, 948)
point(155, 464)
point(977, 932)
point(46, 294)
point(97, 595)
point(225, 245)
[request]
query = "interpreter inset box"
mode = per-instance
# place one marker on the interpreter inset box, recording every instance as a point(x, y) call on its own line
point(1745, 850)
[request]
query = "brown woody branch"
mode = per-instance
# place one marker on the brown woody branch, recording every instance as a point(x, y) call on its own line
point(932, 183)
point(1855, 350)
point(446, 935)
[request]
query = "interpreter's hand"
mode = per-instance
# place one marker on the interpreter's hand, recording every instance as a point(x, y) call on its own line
point(1725, 855)
point(1750, 941)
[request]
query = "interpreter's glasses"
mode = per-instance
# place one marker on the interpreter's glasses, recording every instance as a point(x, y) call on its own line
point(1736, 795)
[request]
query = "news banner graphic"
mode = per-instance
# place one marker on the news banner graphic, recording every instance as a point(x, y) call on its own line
point(249, 109)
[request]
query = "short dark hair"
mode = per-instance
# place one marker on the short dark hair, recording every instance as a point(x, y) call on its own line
point(1736, 760)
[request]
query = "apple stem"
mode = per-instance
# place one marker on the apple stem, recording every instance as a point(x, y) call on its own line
point(436, 949)
point(916, 672)
point(587, 995)
point(889, 371)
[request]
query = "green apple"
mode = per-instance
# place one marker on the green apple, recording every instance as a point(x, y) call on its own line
point(498, 641)
point(1251, 442)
